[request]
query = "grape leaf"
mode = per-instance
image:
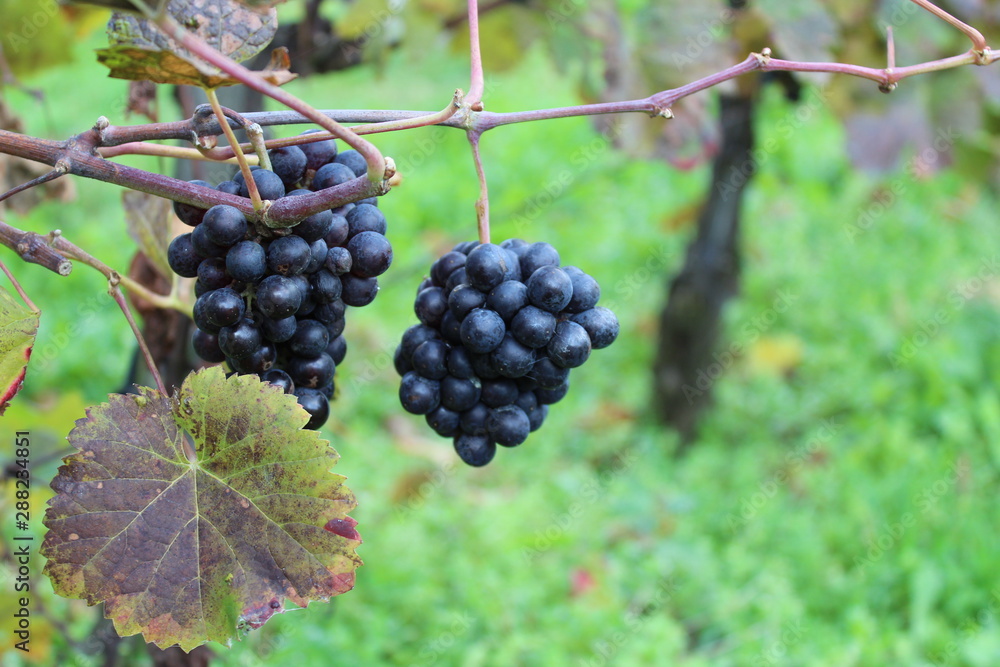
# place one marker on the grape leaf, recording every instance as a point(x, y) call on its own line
point(18, 326)
point(139, 50)
point(148, 221)
point(187, 551)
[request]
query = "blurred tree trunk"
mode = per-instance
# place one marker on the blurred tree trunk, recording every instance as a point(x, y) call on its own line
point(690, 321)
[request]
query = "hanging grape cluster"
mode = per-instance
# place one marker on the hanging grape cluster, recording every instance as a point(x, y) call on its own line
point(500, 328)
point(275, 305)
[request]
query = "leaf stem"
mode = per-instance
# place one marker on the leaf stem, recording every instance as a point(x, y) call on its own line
point(17, 286)
point(213, 99)
point(119, 298)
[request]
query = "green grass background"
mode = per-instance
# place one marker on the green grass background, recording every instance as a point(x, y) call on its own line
point(838, 507)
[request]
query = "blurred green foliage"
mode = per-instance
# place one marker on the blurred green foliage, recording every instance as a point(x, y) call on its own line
point(837, 509)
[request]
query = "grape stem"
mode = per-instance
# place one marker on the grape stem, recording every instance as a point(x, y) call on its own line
point(220, 114)
point(119, 298)
point(978, 41)
point(17, 286)
point(483, 203)
point(477, 80)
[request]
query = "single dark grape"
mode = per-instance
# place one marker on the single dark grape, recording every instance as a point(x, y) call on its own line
point(308, 304)
point(401, 363)
point(508, 426)
point(507, 298)
point(549, 288)
point(511, 359)
point(318, 153)
point(289, 163)
point(600, 324)
point(482, 365)
point(212, 274)
point(314, 372)
point(278, 297)
point(338, 261)
point(570, 345)
point(586, 290)
point(365, 218)
point(464, 299)
point(486, 266)
point(201, 318)
point(223, 307)
point(269, 185)
point(246, 261)
point(224, 225)
point(279, 378)
point(475, 450)
point(288, 255)
point(533, 326)
point(206, 346)
point(337, 349)
point(182, 257)
point(418, 395)
point(326, 287)
point(465, 247)
point(451, 328)
point(357, 291)
point(430, 359)
point(331, 175)
point(482, 330)
point(459, 394)
point(430, 306)
point(354, 161)
point(371, 254)
point(188, 214)
point(310, 340)
point(315, 404)
point(241, 340)
point(536, 256)
point(445, 422)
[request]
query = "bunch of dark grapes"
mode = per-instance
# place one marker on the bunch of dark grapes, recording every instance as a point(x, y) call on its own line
point(275, 306)
point(501, 327)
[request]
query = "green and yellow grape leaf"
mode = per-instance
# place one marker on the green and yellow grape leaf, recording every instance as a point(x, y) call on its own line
point(139, 50)
point(148, 219)
point(188, 551)
point(18, 327)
